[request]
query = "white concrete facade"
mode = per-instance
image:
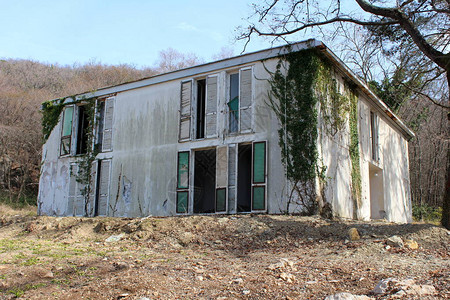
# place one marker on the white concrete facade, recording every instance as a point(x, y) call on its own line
point(140, 174)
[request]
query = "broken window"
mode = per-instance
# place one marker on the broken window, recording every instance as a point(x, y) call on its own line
point(374, 136)
point(82, 131)
point(259, 176)
point(201, 102)
point(66, 133)
point(185, 111)
point(182, 182)
point(240, 101)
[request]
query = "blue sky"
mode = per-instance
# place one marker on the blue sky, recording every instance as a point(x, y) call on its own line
point(114, 31)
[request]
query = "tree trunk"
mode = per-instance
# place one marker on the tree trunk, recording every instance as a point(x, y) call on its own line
point(446, 201)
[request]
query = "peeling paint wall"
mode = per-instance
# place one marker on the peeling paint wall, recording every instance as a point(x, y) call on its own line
point(143, 173)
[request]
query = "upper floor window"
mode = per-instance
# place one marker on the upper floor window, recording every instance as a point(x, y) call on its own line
point(233, 104)
point(374, 136)
point(66, 133)
point(240, 100)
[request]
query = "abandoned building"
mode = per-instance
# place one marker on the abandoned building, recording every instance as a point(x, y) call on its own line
point(206, 139)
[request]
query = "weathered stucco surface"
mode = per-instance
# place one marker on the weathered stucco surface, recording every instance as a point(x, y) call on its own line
point(143, 175)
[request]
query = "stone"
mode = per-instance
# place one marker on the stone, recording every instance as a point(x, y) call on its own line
point(245, 292)
point(287, 277)
point(383, 286)
point(353, 234)
point(402, 288)
point(115, 238)
point(121, 265)
point(395, 241)
point(48, 275)
point(347, 296)
point(411, 244)
point(238, 280)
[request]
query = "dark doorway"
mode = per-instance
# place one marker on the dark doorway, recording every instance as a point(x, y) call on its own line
point(205, 181)
point(97, 188)
point(244, 193)
point(201, 100)
point(82, 134)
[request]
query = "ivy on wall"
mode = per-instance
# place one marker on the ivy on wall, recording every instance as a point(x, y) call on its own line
point(302, 87)
point(51, 112)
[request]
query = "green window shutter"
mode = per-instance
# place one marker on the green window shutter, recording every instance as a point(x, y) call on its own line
point(221, 195)
point(258, 202)
point(183, 170)
point(182, 202)
point(259, 162)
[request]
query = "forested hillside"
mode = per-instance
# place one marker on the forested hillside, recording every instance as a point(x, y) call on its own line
point(25, 84)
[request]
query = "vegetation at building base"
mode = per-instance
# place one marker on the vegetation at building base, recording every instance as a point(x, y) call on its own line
point(302, 82)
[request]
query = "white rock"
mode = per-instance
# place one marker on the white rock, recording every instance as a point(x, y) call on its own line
point(347, 296)
point(395, 241)
point(115, 238)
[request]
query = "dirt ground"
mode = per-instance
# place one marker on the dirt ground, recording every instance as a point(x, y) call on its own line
point(212, 257)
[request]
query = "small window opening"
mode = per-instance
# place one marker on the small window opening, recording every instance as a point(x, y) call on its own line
point(66, 135)
point(374, 135)
point(82, 130)
point(100, 124)
point(201, 100)
point(244, 194)
point(233, 104)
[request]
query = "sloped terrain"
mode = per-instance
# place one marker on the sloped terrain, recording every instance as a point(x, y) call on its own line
point(213, 257)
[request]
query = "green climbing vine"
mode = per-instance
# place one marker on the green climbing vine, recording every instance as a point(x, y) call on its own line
point(303, 87)
point(86, 160)
point(51, 110)
point(354, 152)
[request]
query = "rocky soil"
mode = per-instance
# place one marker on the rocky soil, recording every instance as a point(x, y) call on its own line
point(220, 257)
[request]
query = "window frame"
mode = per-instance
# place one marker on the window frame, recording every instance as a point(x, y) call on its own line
point(69, 136)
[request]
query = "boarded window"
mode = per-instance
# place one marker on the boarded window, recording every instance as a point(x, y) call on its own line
point(259, 176)
point(185, 111)
point(211, 106)
point(108, 125)
point(182, 183)
point(66, 133)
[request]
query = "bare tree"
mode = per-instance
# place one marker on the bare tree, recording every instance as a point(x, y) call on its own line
point(424, 24)
point(171, 60)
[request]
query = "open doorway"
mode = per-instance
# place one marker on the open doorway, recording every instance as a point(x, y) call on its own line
point(377, 209)
point(244, 194)
point(205, 181)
